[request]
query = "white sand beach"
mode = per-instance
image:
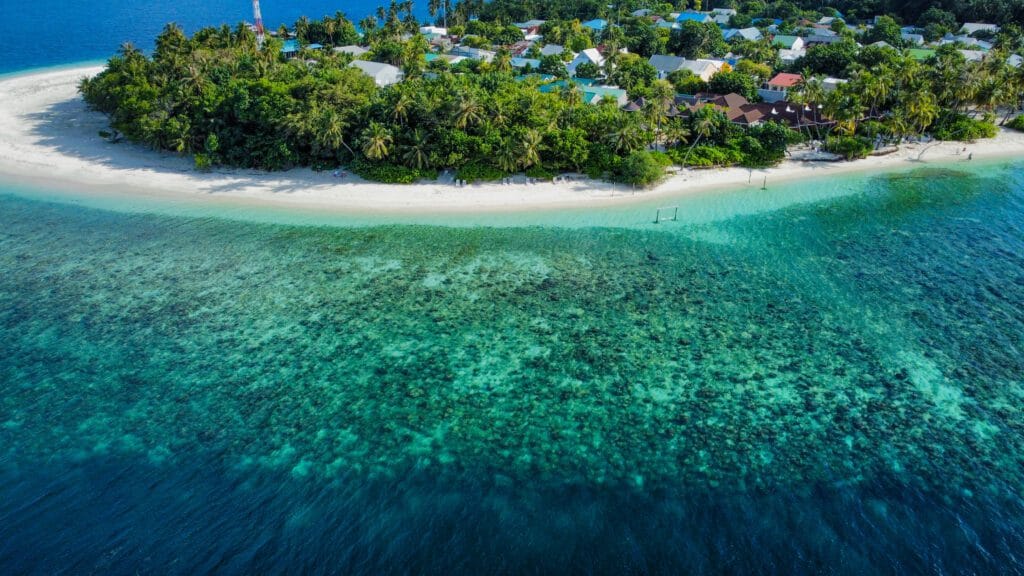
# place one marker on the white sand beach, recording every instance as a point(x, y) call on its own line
point(48, 138)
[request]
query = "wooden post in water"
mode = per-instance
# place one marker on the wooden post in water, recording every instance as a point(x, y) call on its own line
point(675, 214)
point(657, 216)
point(765, 185)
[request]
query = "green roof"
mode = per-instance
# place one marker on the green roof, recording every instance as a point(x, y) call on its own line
point(921, 53)
point(784, 41)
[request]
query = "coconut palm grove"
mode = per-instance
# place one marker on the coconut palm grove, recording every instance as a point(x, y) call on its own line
point(621, 92)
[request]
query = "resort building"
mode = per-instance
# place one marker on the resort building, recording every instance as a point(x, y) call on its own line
point(697, 17)
point(972, 27)
point(590, 55)
point(912, 38)
point(597, 24)
point(752, 34)
point(382, 74)
point(351, 50)
point(789, 57)
point(552, 50)
point(530, 27)
point(788, 42)
point(474, 53)
point(741, 111)
point(433, 32)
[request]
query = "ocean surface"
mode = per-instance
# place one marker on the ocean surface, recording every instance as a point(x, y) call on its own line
point(55, 32)
point(821, 378)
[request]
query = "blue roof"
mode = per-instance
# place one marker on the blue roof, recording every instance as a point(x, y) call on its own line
point(696, 17)
point(315, 46)
point(290, 46)
point(523, 62)
point(596, 24)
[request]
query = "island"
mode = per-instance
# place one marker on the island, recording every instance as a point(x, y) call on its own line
point(503, 108)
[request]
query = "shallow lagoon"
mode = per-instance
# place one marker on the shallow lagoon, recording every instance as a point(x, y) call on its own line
point(826, 381)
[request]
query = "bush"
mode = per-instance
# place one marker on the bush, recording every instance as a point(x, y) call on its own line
point(707, 156)
point(952, 126)
point(639, 169)
point(540, 173)
point(849, 147)
point(476, 172)
point(1017, 123)
point(389, 173)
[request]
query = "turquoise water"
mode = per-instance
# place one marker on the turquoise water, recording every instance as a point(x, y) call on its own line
point(822, 378)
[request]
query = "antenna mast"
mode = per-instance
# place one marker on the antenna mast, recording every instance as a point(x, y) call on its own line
point(259, 22)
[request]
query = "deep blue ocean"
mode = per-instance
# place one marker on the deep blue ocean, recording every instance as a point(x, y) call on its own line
point(56, 32)
point(822, 378)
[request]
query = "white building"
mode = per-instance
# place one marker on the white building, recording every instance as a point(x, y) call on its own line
point(972, 27)
point(590, 55)
point(382, 74)
point(354, 51)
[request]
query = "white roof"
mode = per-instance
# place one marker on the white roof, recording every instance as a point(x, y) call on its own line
point(382, 74)
point(550, 49)
point(973, 55)
point(433, 30)
point(972, 27)
point(593, 55)
point(352, 49)
point(1015, 60)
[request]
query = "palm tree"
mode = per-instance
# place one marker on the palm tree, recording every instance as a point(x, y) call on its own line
point(703, 125)
point(531, 146)
point(377, 140)
point(507, 157)
point(400, 108)
point(469, 112)
point(502, 60)
point(626, 135)
point(921, 110)
point(662, 96)
point(329, 130)
point(417, 151)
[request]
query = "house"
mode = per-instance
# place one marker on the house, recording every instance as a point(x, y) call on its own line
point(912, 38)
point(451, 60)
point(741, 111)
point(552, 50)
point(474, 53)
point(830, 84)
point(783, 81)
point(724, 11)
point(290, 48)
point(880, 44)
point(666, 64)
point(668, 25)
point(1015, 60)
point(382, 74)
point(526, 63)
point(352, 50)
point(703, 68)
point(827, 20)
point(972, 27)
point(597, 24)
point(433, 32)
point(590, 55)
point(789, 57)
point(752, 34)
point(530, 27)
point(694, 17)
point(641, 12)
point(788, 42)
point(818, 39)
point(972, 55)
point(592, 94)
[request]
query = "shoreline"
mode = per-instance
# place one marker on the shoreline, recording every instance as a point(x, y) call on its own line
point(48, 138)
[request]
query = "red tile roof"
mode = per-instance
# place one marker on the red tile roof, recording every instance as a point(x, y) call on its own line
point(785, 80)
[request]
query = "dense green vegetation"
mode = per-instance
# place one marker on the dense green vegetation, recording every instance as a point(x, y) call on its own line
point(220, 98)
